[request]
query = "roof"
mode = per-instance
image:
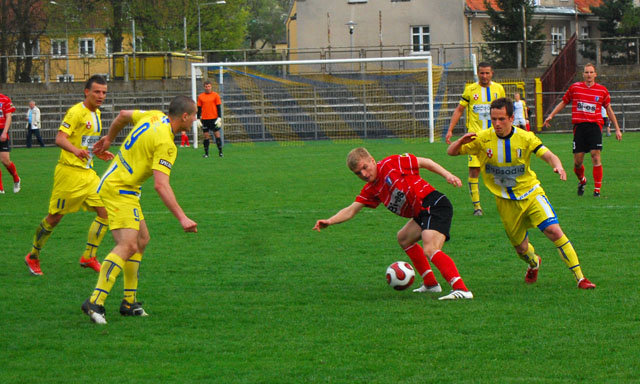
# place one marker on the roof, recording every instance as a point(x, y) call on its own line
point(584, 6)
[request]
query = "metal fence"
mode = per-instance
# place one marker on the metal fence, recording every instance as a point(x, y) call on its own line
point(368, 120)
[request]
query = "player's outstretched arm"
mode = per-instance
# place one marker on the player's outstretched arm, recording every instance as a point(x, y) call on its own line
point(457, 113)
point(124, 117)
point(436, 168)
point(343, 215)
point(454, 148)
point(555, 163)
point(164, 190)
point(558, 108)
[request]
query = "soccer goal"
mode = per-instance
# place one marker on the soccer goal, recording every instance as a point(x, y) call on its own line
point(337, 99)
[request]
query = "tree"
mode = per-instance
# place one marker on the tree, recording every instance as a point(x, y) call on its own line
point(28, 35)
point(267, 22)
point(506, 25)
point(618, 18)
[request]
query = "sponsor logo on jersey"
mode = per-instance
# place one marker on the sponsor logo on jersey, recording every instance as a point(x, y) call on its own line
point(585, 107)
point(597, 98)
point(505, 176)
point(88, 125)
point(396, 201)
point(388, 181)
point(476, 96)
point(489, 153)
point(165, 163)
point(66, 125)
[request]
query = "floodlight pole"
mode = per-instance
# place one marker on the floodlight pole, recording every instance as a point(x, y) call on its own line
point(219, 2)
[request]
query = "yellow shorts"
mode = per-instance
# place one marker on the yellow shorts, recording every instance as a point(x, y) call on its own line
point(74, 189)
point(474, 162)
point(123, 207)
point(520, 215)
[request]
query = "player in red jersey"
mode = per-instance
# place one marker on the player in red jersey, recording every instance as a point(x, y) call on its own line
point(6, 113)
point(395, 182)
point(587, 99)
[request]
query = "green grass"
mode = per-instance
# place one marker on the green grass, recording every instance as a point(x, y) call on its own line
point(256, 296)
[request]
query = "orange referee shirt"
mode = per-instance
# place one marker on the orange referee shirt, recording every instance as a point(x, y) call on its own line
point(208, 102)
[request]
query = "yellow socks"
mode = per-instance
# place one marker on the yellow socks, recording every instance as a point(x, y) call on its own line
point(530, 257)
point(569, 256)
point(474, 190)
point(97, 230)
point(131, 267)
point(42, 235)
point(111, 267)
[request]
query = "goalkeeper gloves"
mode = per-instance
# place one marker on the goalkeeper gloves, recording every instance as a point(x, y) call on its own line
point(198, 123)
point(218, 122)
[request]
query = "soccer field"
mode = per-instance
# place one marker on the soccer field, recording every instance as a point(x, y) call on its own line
point(256, 296)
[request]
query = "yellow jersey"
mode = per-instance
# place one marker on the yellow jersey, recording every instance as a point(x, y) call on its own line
point(505, 162)
point(477, 100)
point(83, 127)
point(148, 147)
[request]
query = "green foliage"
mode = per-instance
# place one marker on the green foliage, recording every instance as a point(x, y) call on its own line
point(267, 22)
point(619, 18)
point(506, 25)
point(256, 296)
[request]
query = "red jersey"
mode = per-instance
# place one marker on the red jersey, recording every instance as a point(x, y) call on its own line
point(6, 106)
point(398, 186)
point(587, 102)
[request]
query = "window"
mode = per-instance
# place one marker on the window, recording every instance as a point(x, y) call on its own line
point(36, 79)
point(558, 39)
point(420, 39)
point(87, 47)
point(59, 48)
point(35, 49)
point(65, 78)
point(108, 46)
point(584, 35)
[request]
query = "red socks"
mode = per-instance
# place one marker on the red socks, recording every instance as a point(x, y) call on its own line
point(420, 263)
point(597, 178)
point(580, 174)
point(448, 269)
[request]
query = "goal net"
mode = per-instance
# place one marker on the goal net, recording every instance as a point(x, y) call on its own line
point(342, 99)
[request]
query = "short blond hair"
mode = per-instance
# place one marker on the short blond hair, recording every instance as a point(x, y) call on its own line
point(355, 156)
point(590, 65)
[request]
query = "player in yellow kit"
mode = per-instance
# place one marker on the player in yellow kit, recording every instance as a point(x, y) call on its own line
point(476, 99)
point(148, 150)
point(75, 181)
point(504, 153)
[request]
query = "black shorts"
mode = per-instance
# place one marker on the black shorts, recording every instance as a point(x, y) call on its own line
point(209, 124)
point(5, 146)
point(587, 137)
point(436, 213)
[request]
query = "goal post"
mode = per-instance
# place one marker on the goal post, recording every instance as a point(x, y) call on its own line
point(336, 99)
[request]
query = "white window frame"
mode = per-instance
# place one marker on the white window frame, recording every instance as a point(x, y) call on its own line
point(68, 78)
point(108, 47)
point(585, 31)
point(56, 45)
point(558, 39)
point(83, 43)
point(420, 34)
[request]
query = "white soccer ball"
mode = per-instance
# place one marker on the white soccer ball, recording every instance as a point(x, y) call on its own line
point(400, 275)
